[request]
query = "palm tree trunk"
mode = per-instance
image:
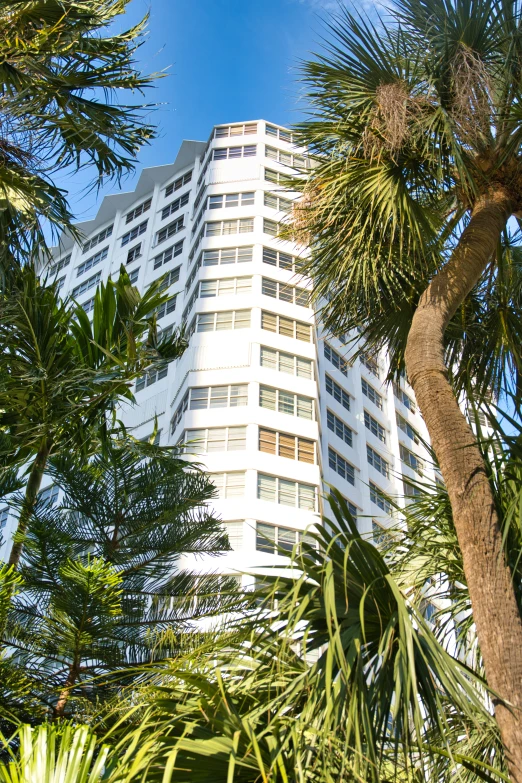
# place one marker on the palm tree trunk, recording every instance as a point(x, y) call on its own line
point(495, 609)
point(31, 491)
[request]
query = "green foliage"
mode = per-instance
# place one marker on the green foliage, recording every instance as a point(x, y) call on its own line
point(59, 373)
point(411, 116)
point(62, 68)
point(103, 587)
point(337, 676)
point(49, 754)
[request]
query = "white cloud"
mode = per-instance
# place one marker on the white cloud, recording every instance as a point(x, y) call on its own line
point(321, 5)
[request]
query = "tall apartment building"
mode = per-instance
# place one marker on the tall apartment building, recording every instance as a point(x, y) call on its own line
point(269, 403)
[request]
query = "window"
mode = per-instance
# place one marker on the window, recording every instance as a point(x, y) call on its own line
point(168, 255)
point(134, 253)
point(100, 256)
point(165, 333)
point(411, 490)
point(371, 393)
point(60, 283)
point(279, 133)
point(370, 363)
point(199, 197)
point(167, 307)
point(286, 158)
point(286, 362)
point(179, 183)
point(375, 428)
point(380, 535)
point(59, 265)
point(49, 495)
point(229, 485)
point(134, 276)
point(286, 293)
point(286, 402)
point(170, 278)
point(336, 359)
point(221, 201)
point(227, 255)
point(378, 497)
point(171, 229)
point(230, 153)
point(225, 286)
point(285, 492)
point(274, 176)
point(136, 232)
point(411, 459)
point(270, 227)
point(91, 282)
point(224, 131)
point(275, 540)
point(203, 397)
point(151, 377)
point(377, 462)
point(337, 392)
point(218, 228)
point(180, 410)
point(234, 531)
point(282, 444)
point(4, 516)
point(279, 203)
point(276, 258)
point(222, 321)
point(339, 464)
point(182, 201)
point(97, 239)
point(206, 441)
point(406, 427)
point(88, 306)
point(137, 211)
point(404, 398)
point(190, 303)
point(286, 326)
point(342, 430)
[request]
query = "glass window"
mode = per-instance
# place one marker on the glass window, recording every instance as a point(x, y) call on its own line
point(286, 492)
point(339, 464)
point(97, 239)
point(377, 462)
point(229, 485)
point(378, 497)
point(97, 258)
point(336, 359)
point(337, 426)
point(375, 428)
point(406, 427)
point(372, 394)
point(136, 232)
point(184, 180)
point(337, 392)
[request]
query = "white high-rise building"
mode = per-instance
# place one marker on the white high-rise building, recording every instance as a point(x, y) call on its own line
point(274, 407)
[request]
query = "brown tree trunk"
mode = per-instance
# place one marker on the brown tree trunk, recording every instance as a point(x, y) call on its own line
point(31, 491)
point(495, 609)
point(63, 698)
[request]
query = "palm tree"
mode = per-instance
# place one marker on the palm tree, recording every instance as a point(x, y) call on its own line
point(47, 754)
point(62, 68)
point(416, 129)
point(337, 676)
point(103, 588)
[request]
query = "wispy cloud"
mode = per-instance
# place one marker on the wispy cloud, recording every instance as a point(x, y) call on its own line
point(321, 5)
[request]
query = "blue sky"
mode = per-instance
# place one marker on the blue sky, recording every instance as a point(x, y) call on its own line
point(227, 60)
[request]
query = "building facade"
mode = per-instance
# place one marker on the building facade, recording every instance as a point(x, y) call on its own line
point(272, 406)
